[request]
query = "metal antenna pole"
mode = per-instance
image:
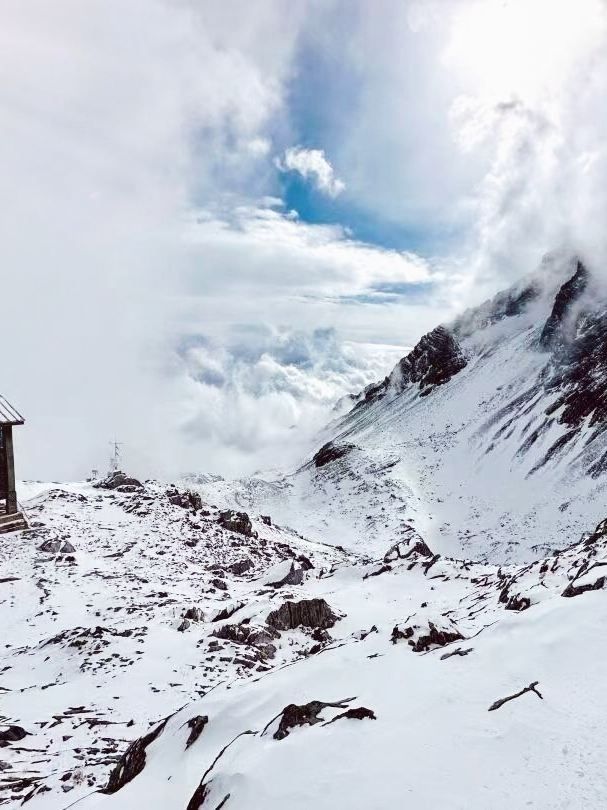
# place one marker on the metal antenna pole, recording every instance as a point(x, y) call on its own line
point(115, 457)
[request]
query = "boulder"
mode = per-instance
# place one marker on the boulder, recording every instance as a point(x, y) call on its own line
point(284, 573)
point(241, 567)
point(259, 637)
point(315, 613)
point(194, 614)
point(423, 634)
point(11, 734)
point(238, 522)
point(331, 452)
point(118, 480)
point(186, 499)
point(57, 546)
point(132, 762)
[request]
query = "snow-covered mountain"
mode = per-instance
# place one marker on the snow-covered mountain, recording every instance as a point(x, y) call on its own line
point(488, 437)
point(413, 618)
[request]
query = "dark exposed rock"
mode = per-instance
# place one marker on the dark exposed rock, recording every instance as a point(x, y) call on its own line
point(117, 480)
point(576, 590)
point(456, 652)
point(411, 546)
point(12, 734)
point(294, 576)
point(183, 626)
point(228, 611)
point(384, 569)
point(266, 519)
point(306, 613)
point(436, 358)
point(432, 362)
point(357, 713)
point(305, 715)
point(57, 546)
point(198, 797)
point(238, 522)
point(427, 636)
point(305, 562)
point(505, 304)
point(194, 614)
point(241, 567)
point(559, 329)
point(187, 499)
point(531, 688)
point(331, 452)
point(196, 725)
point(220, 584)
point(132, 762)
point(518, 603)
point(259, 637)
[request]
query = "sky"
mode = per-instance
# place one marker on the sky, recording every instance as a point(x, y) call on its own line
point(218, 219)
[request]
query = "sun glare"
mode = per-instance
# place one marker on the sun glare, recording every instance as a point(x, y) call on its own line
point(522, 48)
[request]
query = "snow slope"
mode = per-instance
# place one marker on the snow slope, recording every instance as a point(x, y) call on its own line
point(94, 658)
point(488, 437)
point(411, 619)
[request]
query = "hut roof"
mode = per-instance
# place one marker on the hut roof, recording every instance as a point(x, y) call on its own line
point(8, 414)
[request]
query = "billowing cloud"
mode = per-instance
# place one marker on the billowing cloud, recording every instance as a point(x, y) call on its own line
point(257, 399)
point(312, 165)
point(140, 207)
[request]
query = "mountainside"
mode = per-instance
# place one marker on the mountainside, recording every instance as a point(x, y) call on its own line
point(161, 653)
point(413, 618)
point(488, 437)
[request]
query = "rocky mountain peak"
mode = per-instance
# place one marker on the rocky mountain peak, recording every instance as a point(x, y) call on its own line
point(559, 329)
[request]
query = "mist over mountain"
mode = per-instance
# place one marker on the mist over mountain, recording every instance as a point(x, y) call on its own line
point(303, 404)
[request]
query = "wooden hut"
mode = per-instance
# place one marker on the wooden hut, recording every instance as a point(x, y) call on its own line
point(11, 519)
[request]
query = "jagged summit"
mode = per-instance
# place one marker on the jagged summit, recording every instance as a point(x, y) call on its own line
point(489, 435)
point(559, 329)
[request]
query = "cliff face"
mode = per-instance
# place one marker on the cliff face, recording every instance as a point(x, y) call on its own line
point(560, 326)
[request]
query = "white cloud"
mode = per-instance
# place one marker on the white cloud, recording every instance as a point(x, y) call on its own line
point(312, 165)
point(122, 122)
point(257, 398)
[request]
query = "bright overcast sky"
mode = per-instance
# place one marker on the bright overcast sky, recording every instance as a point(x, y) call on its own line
point(217, 218)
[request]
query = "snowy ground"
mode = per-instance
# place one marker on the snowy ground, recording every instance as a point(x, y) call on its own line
point(93, 658)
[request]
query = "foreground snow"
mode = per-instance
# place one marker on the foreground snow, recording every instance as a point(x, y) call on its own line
point(94, 658)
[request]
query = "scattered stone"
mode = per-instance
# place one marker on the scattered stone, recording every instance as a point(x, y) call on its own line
point(358, 713)
point(120, 482)
point(183, 626)
point(306, 613)
point(132, 762)
point(305, 562)
point(518, 603)
point(12, 734)
point(412, 545)
point(194, 614)
point(266, 519)
point(456, 651)
point(530, 688)
point(259, 637)
point(427, 635)
point(305, 715)
point(196, 725)
point(186, 499)
point(57, 546)
point(220, 584)
point(576, 590)
point(241, 567)
point(331, 452)
point(238, 522)
point(228, 611)
point(285, 573)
